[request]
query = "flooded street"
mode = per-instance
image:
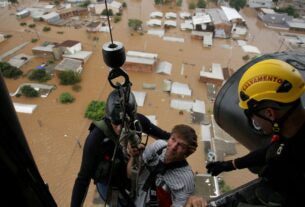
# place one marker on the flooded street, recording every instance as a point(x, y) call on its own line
point(54, 131)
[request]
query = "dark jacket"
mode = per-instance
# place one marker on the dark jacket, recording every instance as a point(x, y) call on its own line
point(97, 150)
point(283, 168)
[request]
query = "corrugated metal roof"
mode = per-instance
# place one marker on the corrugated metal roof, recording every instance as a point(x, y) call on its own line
point(216, 72)
point(142, 54)
point(181, 104)
point(296, 24)
point(170, 23)
point(199, 106)
point(164, 67)
point(154, 22)
point(157, 32)
point(139, 60)
point(50, 15)
point(25, 108)
point(186, 26)
point(48, 48)
point(68, 64)
point(173, 39)
point(156, 14)
point(201, 19)
point(140, 97)
point(185, 15)
point(231, 13)
point(181, 89)
point(250, 49)
point(169, 15)
point(166, 86)
point(79, 55)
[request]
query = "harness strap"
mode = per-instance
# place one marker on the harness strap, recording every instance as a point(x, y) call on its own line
point(161, 168)
point(102, 125)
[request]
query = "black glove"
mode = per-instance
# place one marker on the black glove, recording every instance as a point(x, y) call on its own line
point(215, 168)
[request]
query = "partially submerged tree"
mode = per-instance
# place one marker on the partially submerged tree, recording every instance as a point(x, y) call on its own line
point(290, 10)
point(201, 4)
point(95, 110)
point(159, 2)
point(29, 91)
point(104, 12)
point(46, 29)
point(66, 98)
point(135, 24)
point(39, 75)
point(238, 4)
point(69, 77)
point(10, 71)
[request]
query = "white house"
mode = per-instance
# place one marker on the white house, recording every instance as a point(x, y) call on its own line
point(232, 14)
point(170, 15)
point(185, 15)
point(2, 38)
point(80, 55)
point(170, 23)
point(187, 25)
point(215, 75)
point(154, 22)
point(70, 46)
point(140, 61)
point(156, 14)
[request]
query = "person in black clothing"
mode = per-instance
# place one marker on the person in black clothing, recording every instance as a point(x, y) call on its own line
point(99, 147)
point(269, 93)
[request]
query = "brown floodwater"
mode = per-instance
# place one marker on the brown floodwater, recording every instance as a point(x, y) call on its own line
point(54, 130)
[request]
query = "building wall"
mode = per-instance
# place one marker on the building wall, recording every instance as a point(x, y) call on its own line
point(57, 53)
point(223, 30)
point(139, 67)
point(75, 48)
point(78, 12)
point(210, 80)
point(44, 54)
point(2, 38)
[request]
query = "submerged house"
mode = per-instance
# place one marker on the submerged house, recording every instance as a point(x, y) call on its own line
point(214, 76)
point(222, 26)
point(68, 64)
point(140, 61)
point(67, 47)
point(239, 27)
point(273, 19)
